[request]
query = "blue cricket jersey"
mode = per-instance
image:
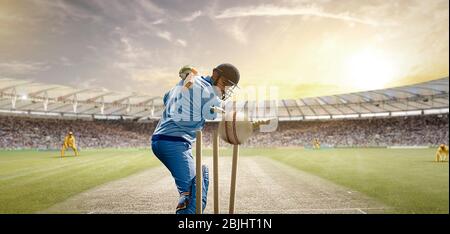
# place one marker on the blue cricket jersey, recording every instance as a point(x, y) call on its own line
point(186, 109)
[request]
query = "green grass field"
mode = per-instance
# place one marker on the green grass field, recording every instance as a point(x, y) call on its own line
point(405, 179)
point(31, 181)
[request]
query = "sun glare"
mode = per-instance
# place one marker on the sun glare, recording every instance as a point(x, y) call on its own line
point(369, 69)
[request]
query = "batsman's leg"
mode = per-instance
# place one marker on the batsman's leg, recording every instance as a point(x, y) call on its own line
point(177, 157)
point(191, 209)
point(198, 173)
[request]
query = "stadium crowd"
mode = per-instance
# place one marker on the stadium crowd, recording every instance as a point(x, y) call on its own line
point(376, 132)
point(38, 133)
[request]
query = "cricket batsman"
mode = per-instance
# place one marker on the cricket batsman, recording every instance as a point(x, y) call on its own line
point(187, 106)
point(442, 153)
point(69, 142)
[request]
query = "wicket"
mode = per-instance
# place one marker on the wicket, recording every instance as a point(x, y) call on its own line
point(198, 161)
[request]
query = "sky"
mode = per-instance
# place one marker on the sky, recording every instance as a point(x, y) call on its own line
point(301, 47)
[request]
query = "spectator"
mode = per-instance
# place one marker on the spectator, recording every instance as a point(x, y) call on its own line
point(37, 133)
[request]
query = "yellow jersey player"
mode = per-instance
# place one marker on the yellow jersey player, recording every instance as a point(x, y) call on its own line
point(316, 144)
point(69, 142)
point(442, 153)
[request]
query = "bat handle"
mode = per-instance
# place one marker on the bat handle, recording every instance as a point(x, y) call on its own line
point(189, 80)
point(217, 109)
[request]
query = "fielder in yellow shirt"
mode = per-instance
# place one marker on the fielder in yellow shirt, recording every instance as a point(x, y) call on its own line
point(316, 144)
point(69, 142)
point(442, 153)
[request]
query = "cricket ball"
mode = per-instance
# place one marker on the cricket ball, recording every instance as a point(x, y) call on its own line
point(235, 128)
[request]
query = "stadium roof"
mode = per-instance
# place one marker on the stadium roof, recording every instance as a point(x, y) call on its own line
point(428, 97)
point(28, 97)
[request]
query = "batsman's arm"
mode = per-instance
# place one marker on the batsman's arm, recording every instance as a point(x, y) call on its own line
point(166, 96)
point(211, 108)
point(187, 83)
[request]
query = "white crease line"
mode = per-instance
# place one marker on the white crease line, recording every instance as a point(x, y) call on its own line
point(245, 211)
point(336, 209)
point(362, 212)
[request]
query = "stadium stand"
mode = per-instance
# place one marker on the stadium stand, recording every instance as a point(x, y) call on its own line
point(37, 116)
point(47, 133)
point(44, 133)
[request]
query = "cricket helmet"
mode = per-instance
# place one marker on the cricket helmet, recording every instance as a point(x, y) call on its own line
point(231, 75)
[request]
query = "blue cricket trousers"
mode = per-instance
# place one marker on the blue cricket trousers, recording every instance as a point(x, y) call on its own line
point(177, 157)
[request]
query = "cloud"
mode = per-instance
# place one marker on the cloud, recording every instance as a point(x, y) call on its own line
point(192, 17)
point(23, 68)
point(143, 43)
point(158, 21)
point(91, 47)
point(8, 17)
point(165, 35)
point(129, 51)
point(65, 61)
point(150, 7)
point(181, 42)
point(136, 64)
point(236, 30)
point(130, 54)
point(274, 11)
point(168, 37)
point(64, 11)
point(85, 83)
point(153, 74)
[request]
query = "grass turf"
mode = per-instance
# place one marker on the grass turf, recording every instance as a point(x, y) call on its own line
point(405, 179)
point(31, 181)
